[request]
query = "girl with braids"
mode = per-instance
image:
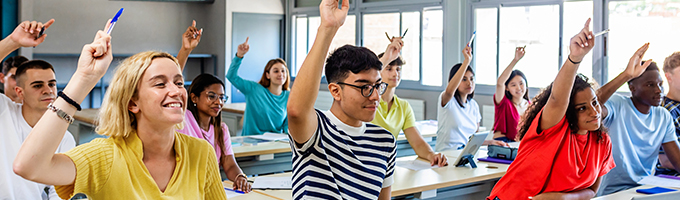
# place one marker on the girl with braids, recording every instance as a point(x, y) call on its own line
point(204, 113)
point(564, 153)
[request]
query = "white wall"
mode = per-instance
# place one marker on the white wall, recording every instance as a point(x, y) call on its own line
point(245, 6)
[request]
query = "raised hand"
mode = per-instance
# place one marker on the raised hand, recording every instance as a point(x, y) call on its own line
point(331, 16)
point(581, 43)
point(96, 57)
point(26, 34)
point(519, 53)
point(393, 49)
point(467, 53)
point(243, 49)
point(191, 37)
point(634, 69)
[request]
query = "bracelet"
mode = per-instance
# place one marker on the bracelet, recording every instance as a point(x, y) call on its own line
point(575, 63)
point(241, 174)
point(69, 100)
point(60, 113)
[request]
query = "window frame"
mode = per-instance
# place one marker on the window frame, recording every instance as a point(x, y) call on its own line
point(358, 8)
point(599, 68)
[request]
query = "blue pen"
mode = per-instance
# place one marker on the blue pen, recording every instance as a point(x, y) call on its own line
point(240, 192)
point(114, 20)
point(472, 39)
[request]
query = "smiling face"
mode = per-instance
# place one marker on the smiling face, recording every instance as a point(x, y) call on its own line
point(648, 88)
point(352, 102)
point(517, 87)
point(161, 95)
point(588, 110)
point(391, 75)
point(278, 74)
point(37, 88)
point(205, 105)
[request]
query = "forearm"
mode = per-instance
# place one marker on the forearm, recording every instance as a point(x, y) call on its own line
point(306, 88)
point(506, 73)
point(455, 80)
point(673, 153)
point(36, 159)
point(417, 142)
point(7, 46)
point(183, 56)
point(607, 90)
point(385, 193)
point(231, 170)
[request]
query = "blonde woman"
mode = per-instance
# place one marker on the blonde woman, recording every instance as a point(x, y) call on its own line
point(144, 157)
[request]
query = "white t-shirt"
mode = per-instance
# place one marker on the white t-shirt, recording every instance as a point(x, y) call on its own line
point(455, 124)
point(13, 131)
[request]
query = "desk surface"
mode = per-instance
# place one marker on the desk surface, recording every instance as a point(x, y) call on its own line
point(238, 108)
point(281, 147)
point(626, 194)
point(407, 181)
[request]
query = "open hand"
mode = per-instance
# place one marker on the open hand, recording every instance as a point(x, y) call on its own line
point(26, 34)
point(331, 16)
point(243, 49)
point(191, 37)
point(634, 68)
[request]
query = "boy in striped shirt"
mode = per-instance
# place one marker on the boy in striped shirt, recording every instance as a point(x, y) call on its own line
point(336, 153)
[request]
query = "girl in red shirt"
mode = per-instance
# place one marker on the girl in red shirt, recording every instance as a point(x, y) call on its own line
point(564, 153)
point(510, 101)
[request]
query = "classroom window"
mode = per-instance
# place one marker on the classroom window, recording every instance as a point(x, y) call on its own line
point(425, 33)
point(500, 28)
point(633, 23)
point(305, 33)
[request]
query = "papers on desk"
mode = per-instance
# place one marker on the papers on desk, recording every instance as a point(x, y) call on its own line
point(270, 136)
point(231, 193)
point(416, 164)
point(427, 126)
point(660, 181)
point(281, 182)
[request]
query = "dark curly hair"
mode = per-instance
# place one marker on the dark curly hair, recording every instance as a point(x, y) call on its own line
point(581, 83)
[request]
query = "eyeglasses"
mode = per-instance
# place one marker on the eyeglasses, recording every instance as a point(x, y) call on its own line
point(214, 97)
point(367, 90)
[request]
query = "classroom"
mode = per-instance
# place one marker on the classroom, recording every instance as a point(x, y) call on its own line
point(339, 99)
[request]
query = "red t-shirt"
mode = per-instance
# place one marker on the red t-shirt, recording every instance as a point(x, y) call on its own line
point(506, 117)
point(576, 162)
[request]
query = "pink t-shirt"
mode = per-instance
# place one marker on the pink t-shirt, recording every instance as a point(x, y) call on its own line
point(505, 117)
point(191, 128)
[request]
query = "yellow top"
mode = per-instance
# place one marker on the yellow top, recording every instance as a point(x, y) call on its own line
point(113, 169)
point(399, 117)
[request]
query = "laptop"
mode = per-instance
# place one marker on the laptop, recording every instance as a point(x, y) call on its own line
point(663, 196)
point(471, 148)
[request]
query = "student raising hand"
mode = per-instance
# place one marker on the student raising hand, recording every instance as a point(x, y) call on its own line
point(27, 34)
point(95, 58)
point(243, 48)
point(392, 51)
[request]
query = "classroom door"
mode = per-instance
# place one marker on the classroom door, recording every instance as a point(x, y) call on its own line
point(266, 39)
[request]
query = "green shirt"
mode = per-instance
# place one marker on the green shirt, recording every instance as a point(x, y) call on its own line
point(399, 117)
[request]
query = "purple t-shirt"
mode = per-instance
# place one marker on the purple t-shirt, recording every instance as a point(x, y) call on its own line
point(191, 128)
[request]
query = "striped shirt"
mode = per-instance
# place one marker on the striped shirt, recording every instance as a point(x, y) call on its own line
point(343, 162)
point(673, 107)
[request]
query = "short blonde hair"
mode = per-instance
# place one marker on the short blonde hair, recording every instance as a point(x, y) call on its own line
point(671, 62)
point(115, 120)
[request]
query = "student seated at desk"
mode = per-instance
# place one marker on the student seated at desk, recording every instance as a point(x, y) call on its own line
point(395, 114)
point(34, 84)
point(265, 100)
point(204, 113)
point(336, 153)
point(639, 128)
point(510, 100)
point(564, 148)
point(144, 157)
point(7, 77)
point(458, 114)
point(671, 102)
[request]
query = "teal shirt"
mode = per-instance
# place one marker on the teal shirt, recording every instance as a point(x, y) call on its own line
point(265, 112)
